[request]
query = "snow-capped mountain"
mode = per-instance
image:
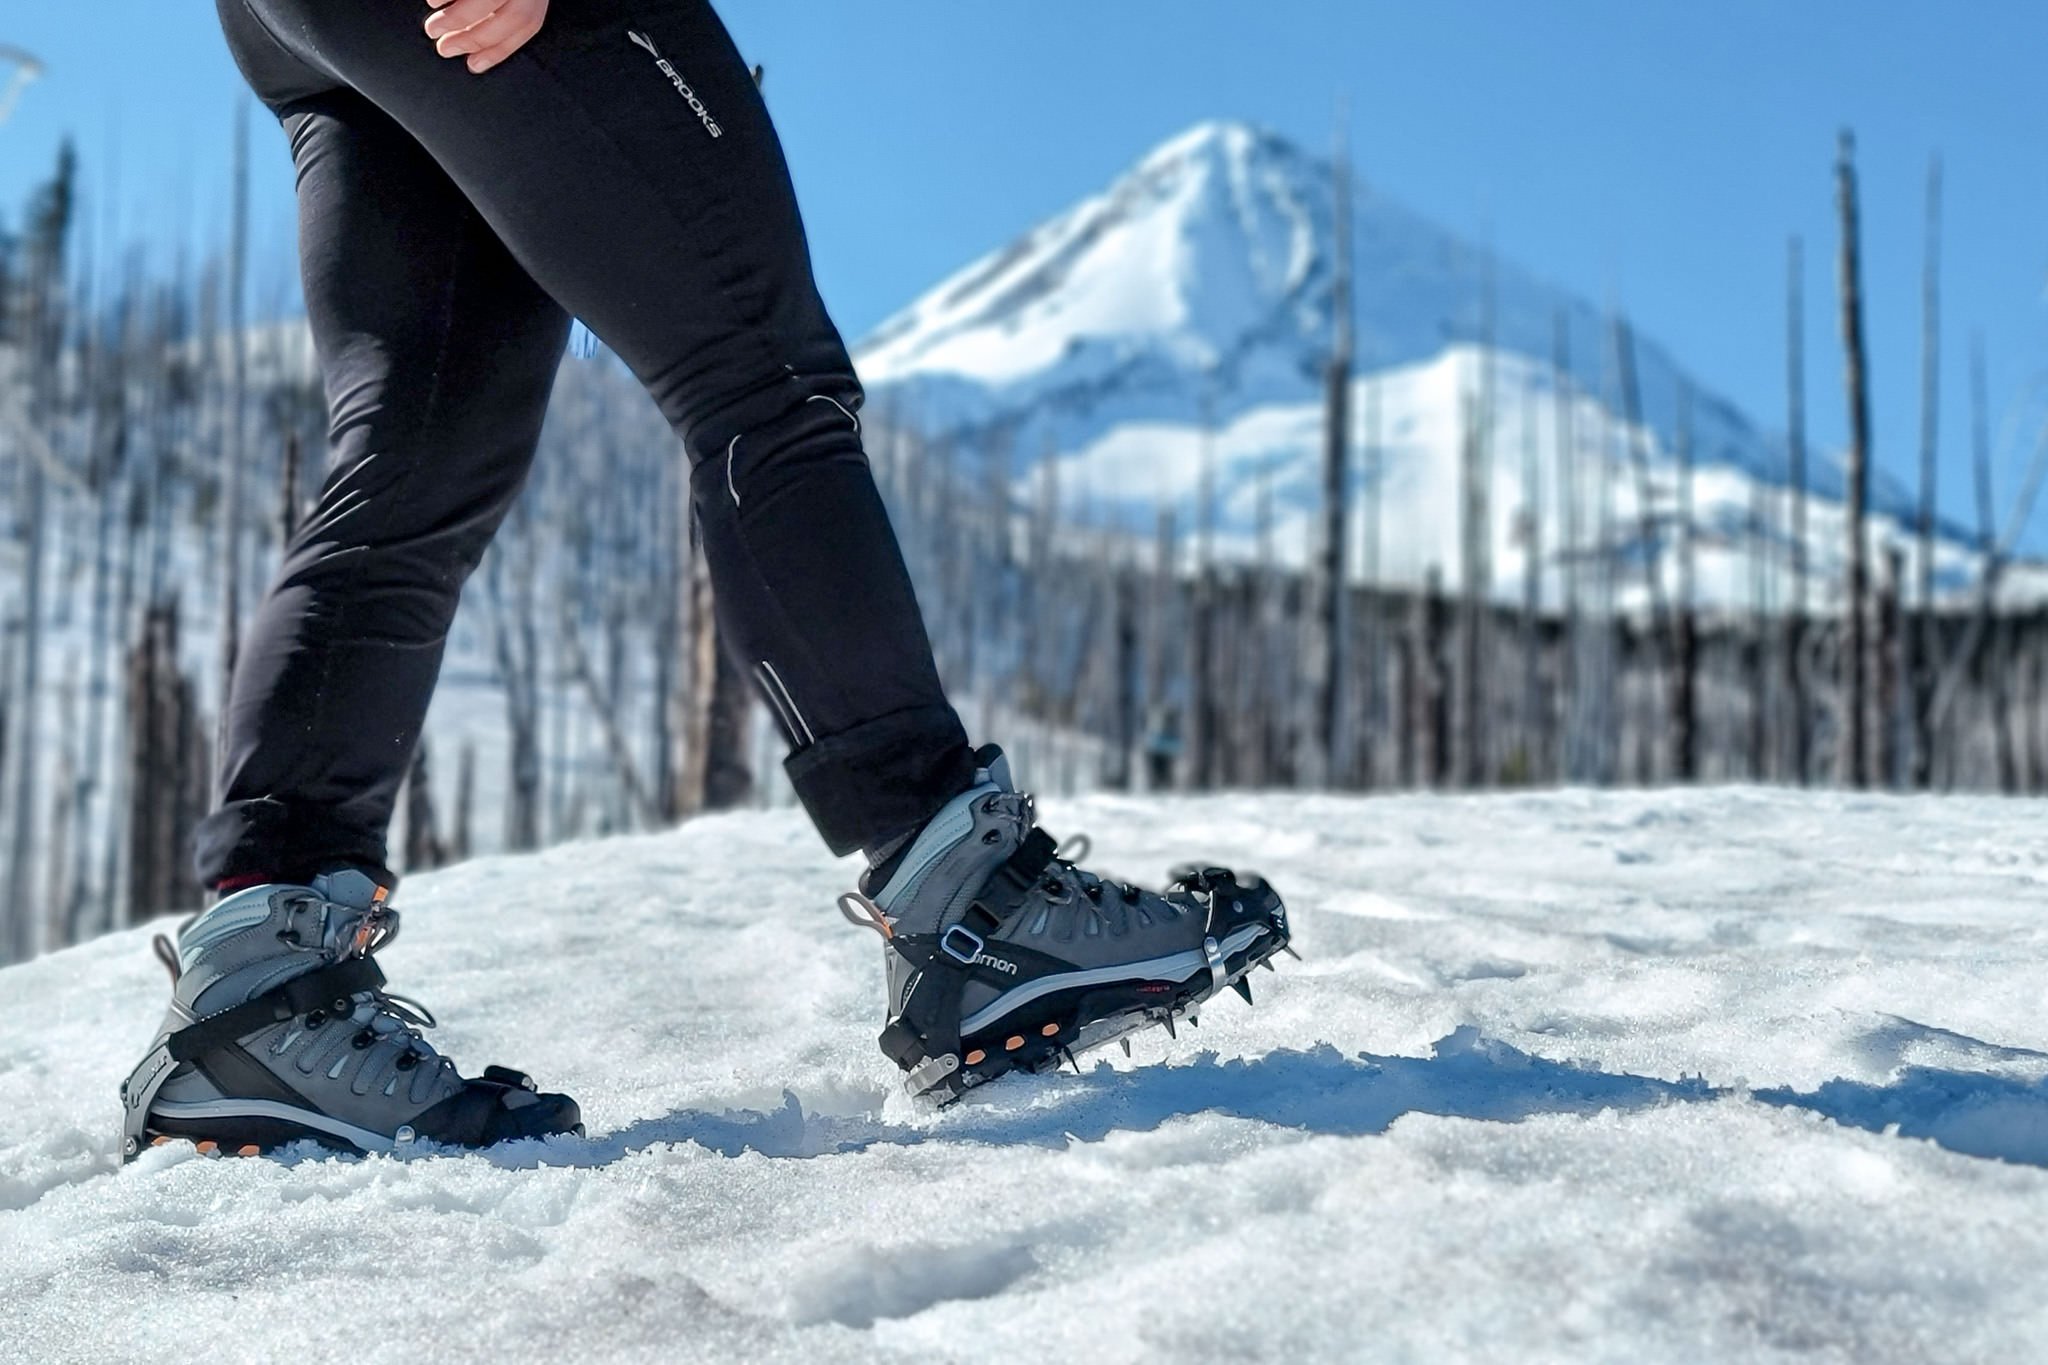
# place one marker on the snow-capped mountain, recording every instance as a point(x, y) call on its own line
point(1200, 282)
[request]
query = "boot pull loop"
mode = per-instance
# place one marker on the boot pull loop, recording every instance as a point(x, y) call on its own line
point(861, 911)
point(166, 954)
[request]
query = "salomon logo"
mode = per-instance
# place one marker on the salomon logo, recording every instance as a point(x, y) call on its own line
point(676, 79)
point(984, 960)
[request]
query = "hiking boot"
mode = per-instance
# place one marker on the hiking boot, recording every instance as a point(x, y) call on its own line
point(1003, 955)
point(280, 1030)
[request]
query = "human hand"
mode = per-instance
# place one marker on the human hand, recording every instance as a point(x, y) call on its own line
point(487, 31)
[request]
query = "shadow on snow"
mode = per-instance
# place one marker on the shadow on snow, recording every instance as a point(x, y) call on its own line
point(1322, 1091)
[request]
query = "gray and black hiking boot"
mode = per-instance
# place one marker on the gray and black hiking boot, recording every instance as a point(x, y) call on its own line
point(280, 1030)
point(1004, 956)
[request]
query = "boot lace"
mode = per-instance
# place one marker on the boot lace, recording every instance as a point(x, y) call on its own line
point(390, 1018)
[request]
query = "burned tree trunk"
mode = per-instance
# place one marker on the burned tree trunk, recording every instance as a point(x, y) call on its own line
point(1325, 755)
point(1654, 650)
point(715, 772)
point(1994, 645)
point(460, 844)
point(1924, 644)
point(1890, 644)
point(1685, 664)
point(1795, 428)
point(1373, 705)
point(167, 761)
point(233, 453)
point(1429, 716)
point(1855, 702)
point(1533, 746)
point(1476, 536)
point(1570, 745)
point(423, 846)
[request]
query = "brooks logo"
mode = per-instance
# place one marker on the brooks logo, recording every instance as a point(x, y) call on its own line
point(682, 86)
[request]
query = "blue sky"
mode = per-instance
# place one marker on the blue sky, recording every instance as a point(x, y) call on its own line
point(1657, 155)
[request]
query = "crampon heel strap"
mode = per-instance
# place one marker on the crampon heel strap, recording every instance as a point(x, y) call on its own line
point(924, 1037)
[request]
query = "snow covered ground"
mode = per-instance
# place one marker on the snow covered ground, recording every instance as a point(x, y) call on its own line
point(1733, 1075)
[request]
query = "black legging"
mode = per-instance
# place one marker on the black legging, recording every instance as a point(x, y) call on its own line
point(620, 167)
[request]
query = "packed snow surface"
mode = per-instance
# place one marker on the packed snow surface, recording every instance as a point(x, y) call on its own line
point(1729, 1075)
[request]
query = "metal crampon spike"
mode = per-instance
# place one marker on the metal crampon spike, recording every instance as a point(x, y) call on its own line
point(1267, 963)
point(1243, 988)
point(1288, 948)
point(1168, 1021)
point(1126, 1045)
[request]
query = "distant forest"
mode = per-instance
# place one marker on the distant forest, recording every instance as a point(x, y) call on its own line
point(157, 449)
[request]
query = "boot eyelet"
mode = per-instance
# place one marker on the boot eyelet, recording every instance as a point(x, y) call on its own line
point(314, 1019)
point(362, 1040)
point(407, 1061)
point(994, 836)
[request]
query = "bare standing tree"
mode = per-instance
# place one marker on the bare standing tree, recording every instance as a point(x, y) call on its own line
point(232, 452)
point(1325, 755)
point(1374, 702)
point(1654, 637)
point(1795, 428)
point(1924, 645)
point(1570, 748)
point(1685, 665)
point(41, 339)
point(1855, 703)
point(1476, 536)
point(1530, 524)
point(1999, 674)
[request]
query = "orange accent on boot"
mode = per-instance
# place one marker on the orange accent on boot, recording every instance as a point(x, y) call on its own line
point(227, 886)
point(369, 924)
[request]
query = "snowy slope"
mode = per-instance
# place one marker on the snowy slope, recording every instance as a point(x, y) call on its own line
point(1200, 282)
point(1726, 1075)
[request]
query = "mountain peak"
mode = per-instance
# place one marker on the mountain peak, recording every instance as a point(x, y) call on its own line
point(1180, 257)
point(1211, 139)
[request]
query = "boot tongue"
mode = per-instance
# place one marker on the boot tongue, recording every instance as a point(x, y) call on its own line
point(347, 890)
point(993, 765)
point(346, 887)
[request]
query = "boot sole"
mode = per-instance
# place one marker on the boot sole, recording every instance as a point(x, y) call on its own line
point(234, 1125)
point(259, 1127)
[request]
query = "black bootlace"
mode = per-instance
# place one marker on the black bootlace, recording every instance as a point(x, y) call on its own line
point(376, 930)
point(1066, 858)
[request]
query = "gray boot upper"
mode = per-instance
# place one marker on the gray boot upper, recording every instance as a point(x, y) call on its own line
point(360, 1058)
point(1073, 924)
